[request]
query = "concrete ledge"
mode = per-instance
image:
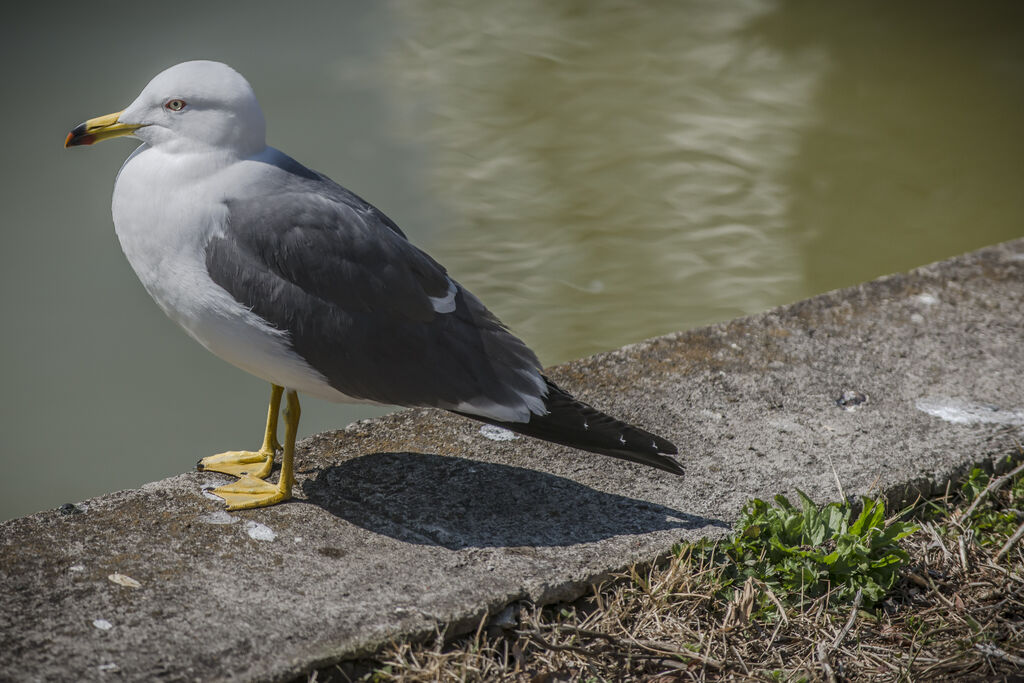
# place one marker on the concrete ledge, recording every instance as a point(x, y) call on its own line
point(418, 519)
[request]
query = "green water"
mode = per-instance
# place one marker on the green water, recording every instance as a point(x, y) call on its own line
point(596, 172)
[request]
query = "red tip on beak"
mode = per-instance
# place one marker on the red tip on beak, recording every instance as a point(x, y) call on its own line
point(78, 136)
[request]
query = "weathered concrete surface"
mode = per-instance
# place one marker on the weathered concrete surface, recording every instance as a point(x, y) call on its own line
point(417, 519)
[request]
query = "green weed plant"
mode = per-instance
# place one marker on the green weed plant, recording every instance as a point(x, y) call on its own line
point(806, 551)
point(992, 522)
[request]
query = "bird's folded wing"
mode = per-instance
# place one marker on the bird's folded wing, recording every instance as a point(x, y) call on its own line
point(380, 319)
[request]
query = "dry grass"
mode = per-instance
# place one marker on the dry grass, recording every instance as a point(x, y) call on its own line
point(956, 614)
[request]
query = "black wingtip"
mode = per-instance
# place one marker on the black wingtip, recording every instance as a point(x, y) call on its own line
point(661, 461)
point(571, 422)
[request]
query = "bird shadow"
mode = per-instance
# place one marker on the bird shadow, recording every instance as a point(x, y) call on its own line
point(458, 503)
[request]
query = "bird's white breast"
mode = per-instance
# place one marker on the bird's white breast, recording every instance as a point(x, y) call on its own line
point(166, 208)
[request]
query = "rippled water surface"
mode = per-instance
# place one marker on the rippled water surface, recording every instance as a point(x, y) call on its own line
point(597, 172)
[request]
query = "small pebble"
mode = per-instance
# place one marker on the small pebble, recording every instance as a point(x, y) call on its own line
point(851, 399)
point(218, 517)
point(124, 580)
point(497, 433)
point(259, 532)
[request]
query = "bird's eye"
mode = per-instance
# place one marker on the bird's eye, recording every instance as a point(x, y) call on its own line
point(175, 105)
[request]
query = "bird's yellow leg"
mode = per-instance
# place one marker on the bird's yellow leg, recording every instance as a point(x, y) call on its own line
point(250, 492)
point(252, 463)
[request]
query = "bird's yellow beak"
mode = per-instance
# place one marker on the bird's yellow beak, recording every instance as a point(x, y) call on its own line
point(99, 128)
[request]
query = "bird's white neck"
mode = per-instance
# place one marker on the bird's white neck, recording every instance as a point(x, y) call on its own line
point(166, 207)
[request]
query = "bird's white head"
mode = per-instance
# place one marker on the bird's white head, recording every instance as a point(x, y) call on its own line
point(191, 106)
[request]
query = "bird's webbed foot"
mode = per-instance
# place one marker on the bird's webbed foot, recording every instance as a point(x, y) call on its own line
point(240, 463)
point(250, 492)
point(250, 463)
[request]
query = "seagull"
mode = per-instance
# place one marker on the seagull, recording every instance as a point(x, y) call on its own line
point(289, 276)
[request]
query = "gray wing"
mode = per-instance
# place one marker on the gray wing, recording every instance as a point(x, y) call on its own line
point(380, 319)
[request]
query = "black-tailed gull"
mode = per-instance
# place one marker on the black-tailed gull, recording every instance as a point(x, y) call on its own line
point(284, 273)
